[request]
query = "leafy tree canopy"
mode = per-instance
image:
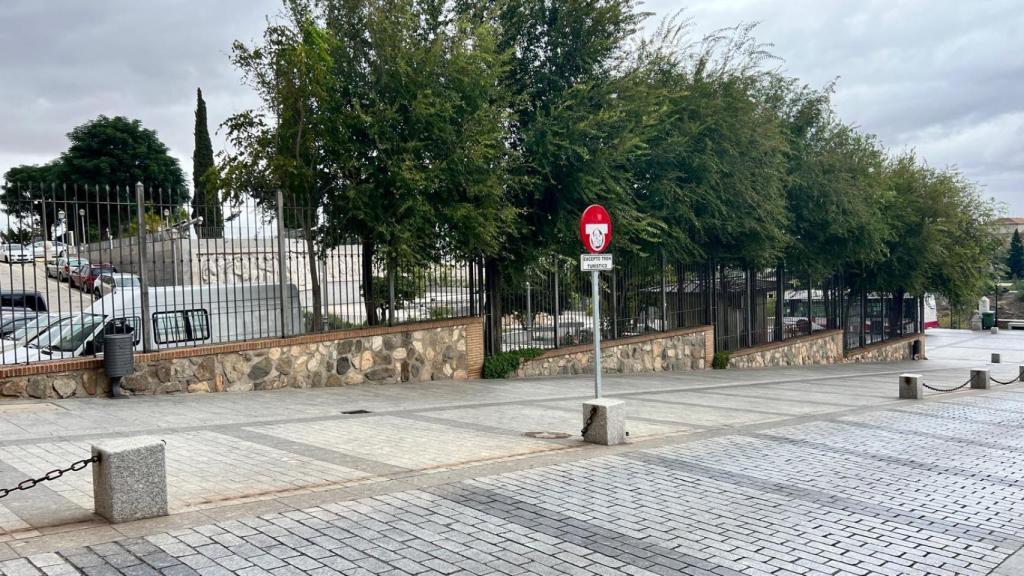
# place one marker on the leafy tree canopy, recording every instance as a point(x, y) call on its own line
point(105, 159)
point(1015, 256)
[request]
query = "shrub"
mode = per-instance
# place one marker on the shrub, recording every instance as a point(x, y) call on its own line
point(503, 364)
point(720, 361)
point(441, 313)
point(330, 322)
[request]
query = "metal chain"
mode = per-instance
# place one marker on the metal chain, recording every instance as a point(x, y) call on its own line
point(946, 389)
point(51, 475)
point(1017, 379)
point(590, 420)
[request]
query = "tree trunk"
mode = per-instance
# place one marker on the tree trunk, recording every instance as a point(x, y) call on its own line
point(369, 291)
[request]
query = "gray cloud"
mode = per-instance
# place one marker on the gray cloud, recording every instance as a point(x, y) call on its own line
point(942, 77)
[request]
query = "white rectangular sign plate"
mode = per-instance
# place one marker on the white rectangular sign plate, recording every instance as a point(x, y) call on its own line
point(591, 262)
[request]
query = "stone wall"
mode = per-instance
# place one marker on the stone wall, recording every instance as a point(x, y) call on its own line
point(687, 349)
point(891, 351)
point(442, 350)
point(824, 347)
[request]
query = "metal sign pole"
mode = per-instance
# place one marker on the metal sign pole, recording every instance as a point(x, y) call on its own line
point(596, 293)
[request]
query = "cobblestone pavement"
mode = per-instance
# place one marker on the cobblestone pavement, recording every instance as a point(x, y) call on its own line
point(804, 471)
point(931, 489)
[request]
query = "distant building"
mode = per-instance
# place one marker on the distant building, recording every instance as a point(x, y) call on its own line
point(1006, 226)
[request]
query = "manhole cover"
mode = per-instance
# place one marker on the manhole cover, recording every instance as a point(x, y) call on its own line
point(548, 435)
point(356, 412)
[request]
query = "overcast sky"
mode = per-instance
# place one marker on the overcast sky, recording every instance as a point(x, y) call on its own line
point(943, 77)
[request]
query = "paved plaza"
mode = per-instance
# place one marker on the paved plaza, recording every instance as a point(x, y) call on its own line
point(779, 471)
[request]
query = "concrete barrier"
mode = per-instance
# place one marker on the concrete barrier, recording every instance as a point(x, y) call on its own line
point(130, 480)
point(608, 426)
point(980, 379)
point(910, 387)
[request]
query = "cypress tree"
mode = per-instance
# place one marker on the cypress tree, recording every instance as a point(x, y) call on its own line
point(1015, 259)
point(205, 200)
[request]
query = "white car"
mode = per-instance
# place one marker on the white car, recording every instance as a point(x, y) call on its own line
point(53, 267)
point(52, 248)
point(65, 338)
point(111, 283)
point(66, 265)
point(16, 253)
point(25, 333)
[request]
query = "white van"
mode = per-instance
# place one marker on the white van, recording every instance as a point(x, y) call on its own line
point(180, 316)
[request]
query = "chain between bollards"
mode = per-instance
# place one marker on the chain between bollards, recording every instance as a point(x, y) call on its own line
point(590, 420)
point(1017, 379)
point(51, 475)
point(934, 389)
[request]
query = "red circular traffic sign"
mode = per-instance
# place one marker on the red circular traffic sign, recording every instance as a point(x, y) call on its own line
point(596, 229)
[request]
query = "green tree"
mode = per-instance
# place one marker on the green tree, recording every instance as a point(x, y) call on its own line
point(942, 239)
point(1015, 256)
point(575, 124)
point(107, 156)
point(282, 145)
point(205, 197)
point(384, 117)
point(714, 165)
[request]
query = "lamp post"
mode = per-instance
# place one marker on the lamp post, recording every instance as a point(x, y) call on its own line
point(995, 316)
point(82, 238)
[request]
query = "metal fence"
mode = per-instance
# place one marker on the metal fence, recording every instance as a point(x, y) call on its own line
point(549, 305)
point(115, 255)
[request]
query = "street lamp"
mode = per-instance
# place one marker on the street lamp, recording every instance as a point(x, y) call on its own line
point(82, 238)
point(167, 217)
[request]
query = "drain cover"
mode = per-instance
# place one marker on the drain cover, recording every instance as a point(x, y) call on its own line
point(548, 435)
point(356, 412)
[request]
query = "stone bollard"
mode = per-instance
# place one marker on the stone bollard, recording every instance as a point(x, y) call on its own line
point(1020, 373)
point(996, 358)
point(130, 480)
point(979, 379)
point(993, 330)
point(609, 424)
point(910, 387)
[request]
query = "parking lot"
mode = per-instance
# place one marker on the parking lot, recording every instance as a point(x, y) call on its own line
point(32, 277)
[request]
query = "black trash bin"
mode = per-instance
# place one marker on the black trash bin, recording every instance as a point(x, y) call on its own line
point(118, 360)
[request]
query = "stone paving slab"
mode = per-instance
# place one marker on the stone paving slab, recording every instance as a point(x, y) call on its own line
point(854, 495)
point(231, 450)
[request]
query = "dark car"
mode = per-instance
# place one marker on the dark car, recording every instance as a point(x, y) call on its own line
point(84, 278)
point(22, 300)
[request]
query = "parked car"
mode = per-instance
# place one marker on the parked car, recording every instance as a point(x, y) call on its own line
point(66, 265)
point(84, 277)
point(111, 283)
point(41, 249)
point(16, 254)
point(29, 330)
point(22, 300)
point(12, 321)
point(65, 338)
point(51, 267)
